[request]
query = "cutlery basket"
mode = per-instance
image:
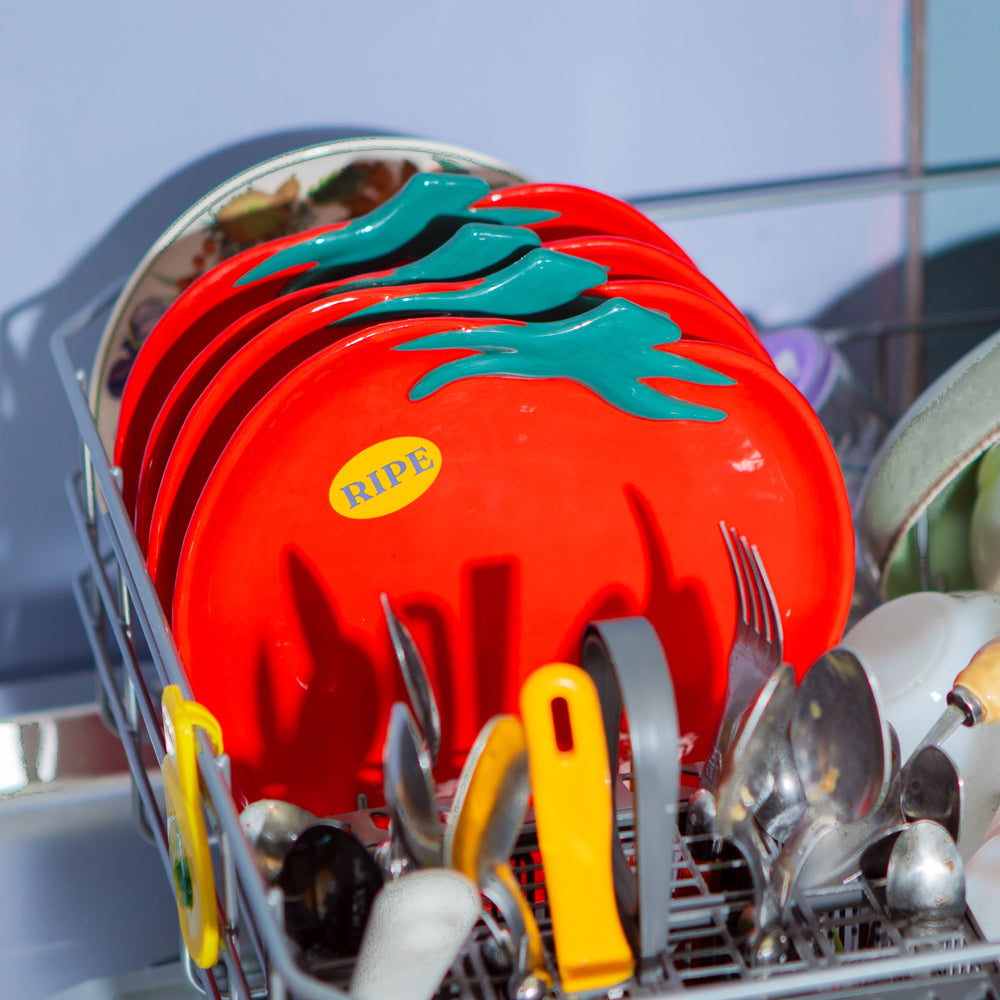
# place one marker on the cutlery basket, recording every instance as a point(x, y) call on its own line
point(843, 941)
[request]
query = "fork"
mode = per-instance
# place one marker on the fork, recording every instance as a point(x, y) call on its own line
point(756, 650)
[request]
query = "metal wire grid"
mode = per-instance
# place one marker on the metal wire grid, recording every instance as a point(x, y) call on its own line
point(843, 942)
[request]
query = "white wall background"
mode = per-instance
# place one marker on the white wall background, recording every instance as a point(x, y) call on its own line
point(114, 116)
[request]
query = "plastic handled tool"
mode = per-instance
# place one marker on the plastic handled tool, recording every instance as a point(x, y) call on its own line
point(187, 837)
point(571, 784)
point(418, 684)
point(974, 698)
point(486, 817)
point(626, 662)
point(415, 931)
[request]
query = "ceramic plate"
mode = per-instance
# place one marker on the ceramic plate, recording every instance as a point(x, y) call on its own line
point(506, 485)
point(290, 193)
point(915, 646)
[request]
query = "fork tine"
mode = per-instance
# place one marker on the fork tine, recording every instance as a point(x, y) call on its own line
point(768, 601)
point(746, 568)
point(732, 540)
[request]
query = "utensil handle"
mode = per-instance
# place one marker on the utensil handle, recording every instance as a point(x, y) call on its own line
point(536, 964)
point(571, 781)
point(981, 680)
point(415, 932)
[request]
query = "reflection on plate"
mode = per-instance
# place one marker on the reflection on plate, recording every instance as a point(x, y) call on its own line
point(299, 190)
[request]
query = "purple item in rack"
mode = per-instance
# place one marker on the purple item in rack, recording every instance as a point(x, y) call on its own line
point(821, 373)
point(806, 360)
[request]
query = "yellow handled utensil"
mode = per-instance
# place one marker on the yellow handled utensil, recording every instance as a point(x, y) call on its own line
point(571, 783)
point(974, 698)
point(187, 837)
point(486, 817)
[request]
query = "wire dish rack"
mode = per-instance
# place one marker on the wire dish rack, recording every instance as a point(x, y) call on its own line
point(843, 941)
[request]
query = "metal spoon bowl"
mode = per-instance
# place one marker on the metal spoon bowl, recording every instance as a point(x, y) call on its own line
point(839, 738)
point(925, 882)
point(415, 823)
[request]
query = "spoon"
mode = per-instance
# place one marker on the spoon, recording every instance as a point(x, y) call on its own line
point(416, 832)
point(838, 739)
point(416, 930)
point(929, 787)
point(745, 776)
point(326, 875)
point(925, 882)
point(329, 881)
point(483, 826)
point(418, 685)
point(271, 827)
point(974, 697)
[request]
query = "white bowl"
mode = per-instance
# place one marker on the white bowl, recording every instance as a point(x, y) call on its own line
point(915, 646)
point(982, 887)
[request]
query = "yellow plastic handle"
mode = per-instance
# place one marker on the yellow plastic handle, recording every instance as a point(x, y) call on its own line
point(500, 750)
point(571, 783)
point(187, 837)
point(981, 678)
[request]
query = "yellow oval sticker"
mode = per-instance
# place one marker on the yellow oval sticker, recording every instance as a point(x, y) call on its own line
point(385, 477)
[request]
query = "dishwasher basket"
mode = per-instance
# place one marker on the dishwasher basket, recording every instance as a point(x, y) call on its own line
point(843, 941)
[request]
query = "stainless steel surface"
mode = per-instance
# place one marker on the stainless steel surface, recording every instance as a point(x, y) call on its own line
point(925, 884)
point(838, 742)
point(756, 649)
point(271, 827)
point(418, 684)
point(409, 792)
point(932, 789)
point(839, 738)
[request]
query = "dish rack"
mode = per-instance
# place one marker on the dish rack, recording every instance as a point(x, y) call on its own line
point(842, 940)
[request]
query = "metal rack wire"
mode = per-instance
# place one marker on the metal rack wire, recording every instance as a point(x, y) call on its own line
point(843, 941)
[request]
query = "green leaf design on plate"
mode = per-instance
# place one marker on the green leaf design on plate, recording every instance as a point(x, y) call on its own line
point(610, 350)
point(395, 223)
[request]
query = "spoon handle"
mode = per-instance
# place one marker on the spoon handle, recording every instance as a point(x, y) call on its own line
point(511, 890)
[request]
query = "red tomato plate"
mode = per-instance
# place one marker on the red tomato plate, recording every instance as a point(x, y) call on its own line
point(539, 282)
point(142, 452)
point(579, 211)
point(422, 214)
point(504, 484)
